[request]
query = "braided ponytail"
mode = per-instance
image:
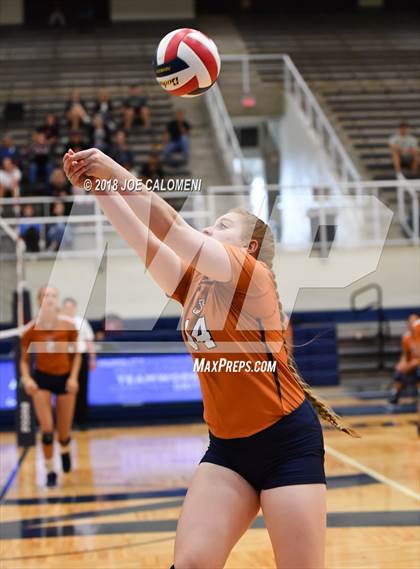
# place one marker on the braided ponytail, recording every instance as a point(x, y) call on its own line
point(256, 229)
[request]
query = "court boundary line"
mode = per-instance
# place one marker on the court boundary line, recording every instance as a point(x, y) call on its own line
point(12, 475)
point(371, 472)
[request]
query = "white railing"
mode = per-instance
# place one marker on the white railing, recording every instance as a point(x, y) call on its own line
point(363, 219)
point(19, 247)
point(296, 87)
point(362, 223)
point(225, 134)
point(409, 193)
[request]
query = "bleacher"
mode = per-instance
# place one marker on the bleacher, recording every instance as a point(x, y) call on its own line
point(40, 68)
point(365, 73)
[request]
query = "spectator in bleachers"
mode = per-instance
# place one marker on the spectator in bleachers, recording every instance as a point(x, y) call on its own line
point(57, 16)
point(60, 187)
point(99, 134)
point(407, 370)
point(152, 169)
point(76, 111)
point(176, 139)
point(120, 151)
point(76, 141)
point(404, 150)
point(51, 129)
point(10, 177)
point(29, 231)
point(136, 106)
point(8, 149)
point(40, 159)
point(59, 234)
point(103, 106)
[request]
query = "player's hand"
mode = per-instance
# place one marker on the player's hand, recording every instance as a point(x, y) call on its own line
point(30, 386)
point(92, 163)
point(72, 385)
point(74, 172)
point(92, 363)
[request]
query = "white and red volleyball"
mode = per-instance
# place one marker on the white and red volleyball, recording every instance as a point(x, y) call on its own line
point(186, 63)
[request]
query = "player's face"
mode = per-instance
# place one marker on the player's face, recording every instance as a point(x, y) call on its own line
point(227, 229)
point(69, 309)
point(48, 298)
point(411, 319)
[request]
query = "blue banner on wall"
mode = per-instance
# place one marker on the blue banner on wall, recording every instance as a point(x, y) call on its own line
point(126, 380)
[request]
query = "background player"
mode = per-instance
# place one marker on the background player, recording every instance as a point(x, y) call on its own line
point(407, 370)
point(266, 447)
point(55, 372)
point(86, 349)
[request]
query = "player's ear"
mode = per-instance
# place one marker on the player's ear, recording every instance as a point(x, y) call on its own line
point(252, 246)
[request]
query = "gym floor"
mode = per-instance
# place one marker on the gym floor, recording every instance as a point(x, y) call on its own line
point(119, 506)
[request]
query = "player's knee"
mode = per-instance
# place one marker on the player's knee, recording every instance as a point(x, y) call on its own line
point(65, 442)
point(47, 438)
point(194, 559)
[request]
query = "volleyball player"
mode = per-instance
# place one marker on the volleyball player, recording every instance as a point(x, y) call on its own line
point(55, 372)
point(266, 446)
point(407, 370)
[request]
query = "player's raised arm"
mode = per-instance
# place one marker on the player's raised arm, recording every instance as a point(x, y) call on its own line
point(162, 263)
point(154, 212)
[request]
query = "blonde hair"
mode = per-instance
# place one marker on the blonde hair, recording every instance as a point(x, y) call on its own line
point(255, 229)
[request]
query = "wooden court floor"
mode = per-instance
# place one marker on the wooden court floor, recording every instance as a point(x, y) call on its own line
point(118, 508)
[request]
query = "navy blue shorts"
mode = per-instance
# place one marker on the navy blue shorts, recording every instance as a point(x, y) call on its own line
point(54, 383)
point(289, 452)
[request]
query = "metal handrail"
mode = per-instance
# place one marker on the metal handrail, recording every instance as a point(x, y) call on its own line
point(342, 162)
point(406, 187)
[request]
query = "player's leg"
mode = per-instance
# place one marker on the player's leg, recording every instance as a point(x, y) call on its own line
point(397, 388)
point(43, 410)
point(219, 507)
point(65, 412)
point(295, 517)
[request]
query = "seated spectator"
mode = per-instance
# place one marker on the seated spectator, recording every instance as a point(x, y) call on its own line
point(60, 187)
point(135, 107)
point(57, 16)
point(9, 150)
point(10, 177)
point(120, 151)
point(99, 134)
point(407, 370)
point(40, 159)
point(59, 234)
point(152, 169)
point(29, 231)
point(103, 107)
point(404, 150)
point(50, 129)
point(76, 141)
point(176, 139)
point(76, 111)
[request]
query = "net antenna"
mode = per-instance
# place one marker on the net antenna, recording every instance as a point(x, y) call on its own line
point(16, 252)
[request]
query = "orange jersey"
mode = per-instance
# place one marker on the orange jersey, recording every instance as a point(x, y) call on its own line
point(53, 348)
point(411, 342)
point(225, 323)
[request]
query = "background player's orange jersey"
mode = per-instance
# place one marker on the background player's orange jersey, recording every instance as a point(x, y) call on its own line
point(53, 347)
point(238, 322)
point(411, 342)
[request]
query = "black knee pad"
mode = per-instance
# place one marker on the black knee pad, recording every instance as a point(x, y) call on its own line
point(172, 567)
point(47, 438)
point(65, 442)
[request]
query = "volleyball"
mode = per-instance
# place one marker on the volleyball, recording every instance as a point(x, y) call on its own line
point(186, 63)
